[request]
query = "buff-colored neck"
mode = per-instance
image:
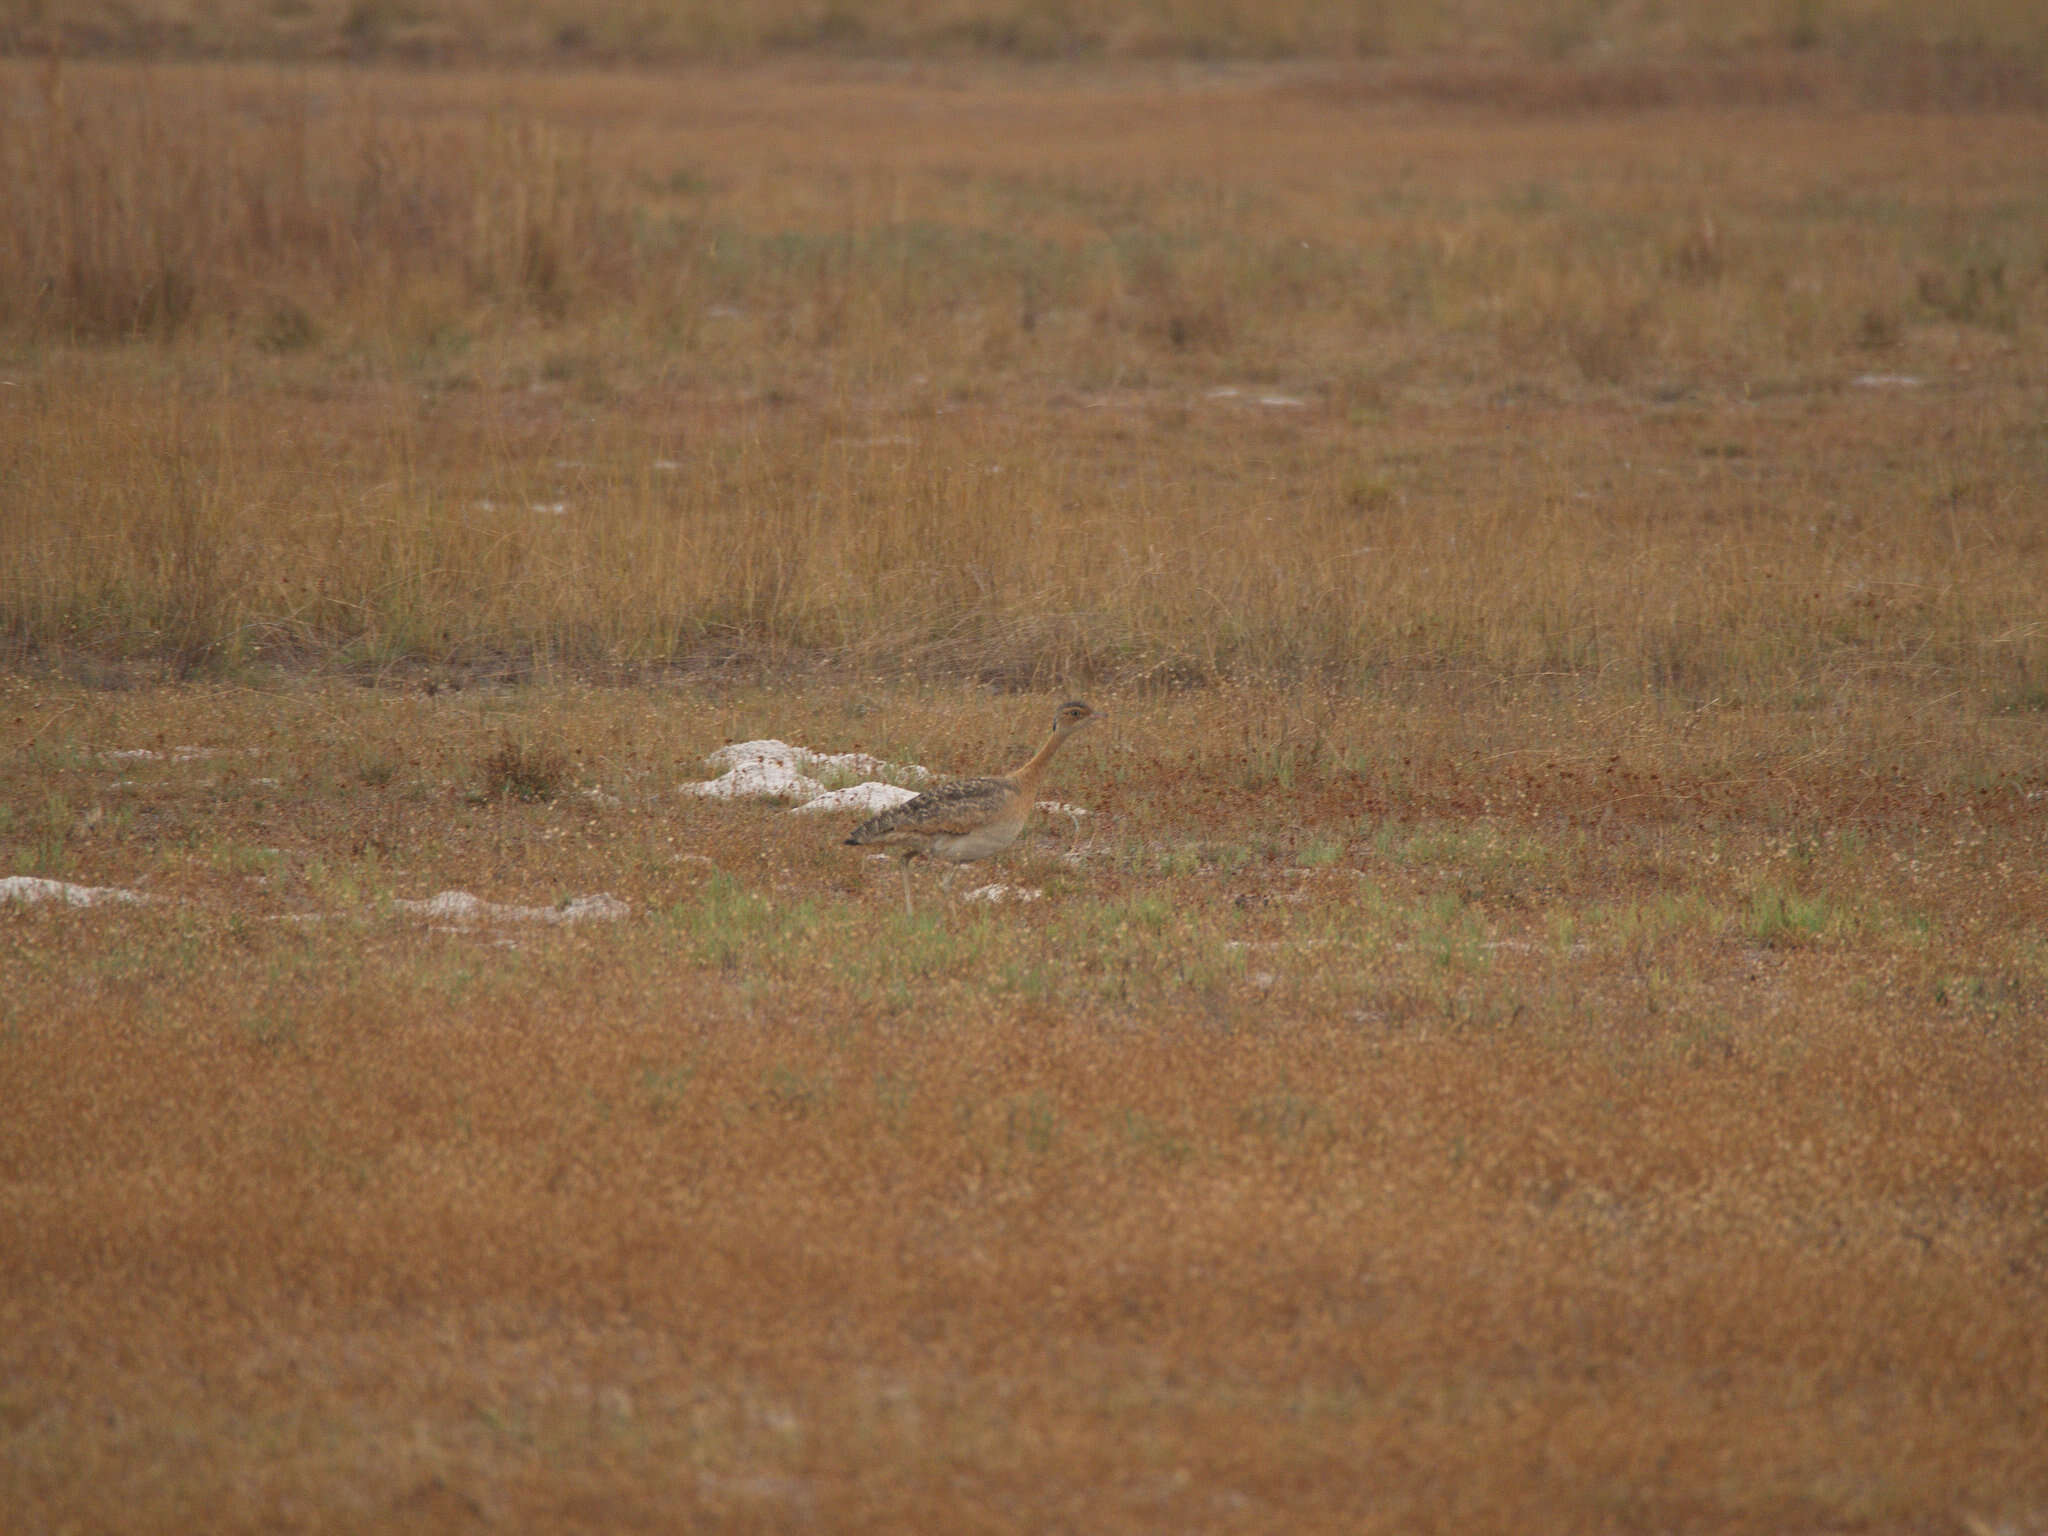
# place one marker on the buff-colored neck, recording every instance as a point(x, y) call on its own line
point(1028, 774)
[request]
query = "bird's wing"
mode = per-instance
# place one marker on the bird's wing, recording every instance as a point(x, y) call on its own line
point(953, 809)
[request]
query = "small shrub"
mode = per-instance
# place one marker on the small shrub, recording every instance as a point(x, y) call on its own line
point(378, 766)
point(1283, 1117)
point(1032, 1121)
point(665, 1088)
point(530, 771)
point(51, 836)
point(797, 1093)
point(1779, 917)
point(287, 328)
point(1697, 255)
point(1977, 295)
point(1878, 330)
point(1610, 347)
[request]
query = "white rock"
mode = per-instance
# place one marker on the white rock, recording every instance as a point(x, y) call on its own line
point(29, 889)
point(600, 908)
point(462, 907)
point(1271, 401)
point(757, 781)
point(743, 754)
point(869, 799)
point(769, 769)
point(175, 754)
point(456, 904)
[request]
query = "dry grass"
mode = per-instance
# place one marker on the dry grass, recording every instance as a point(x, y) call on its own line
point(1542, 1030)
point(1512, 1120)
point(470, 371)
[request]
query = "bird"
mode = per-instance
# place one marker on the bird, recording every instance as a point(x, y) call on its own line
point(967, 819)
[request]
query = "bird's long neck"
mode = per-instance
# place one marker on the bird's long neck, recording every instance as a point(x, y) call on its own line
point(1028, 775)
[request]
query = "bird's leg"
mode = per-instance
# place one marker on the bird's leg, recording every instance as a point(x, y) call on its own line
point(908, 910)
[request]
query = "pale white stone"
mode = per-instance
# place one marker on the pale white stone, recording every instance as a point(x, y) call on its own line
point(30, 889)
point(462, 907)
point(870, 799)
point(776, 770)
point(757, 781)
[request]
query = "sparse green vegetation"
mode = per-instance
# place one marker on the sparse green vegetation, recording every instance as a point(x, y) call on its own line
point(1780, 916)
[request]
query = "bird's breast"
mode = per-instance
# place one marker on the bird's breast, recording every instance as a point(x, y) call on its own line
point(978, 844)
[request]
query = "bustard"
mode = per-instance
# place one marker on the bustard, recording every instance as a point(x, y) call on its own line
point(968, 819)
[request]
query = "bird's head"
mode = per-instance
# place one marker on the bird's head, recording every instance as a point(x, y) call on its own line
point(1072, 716)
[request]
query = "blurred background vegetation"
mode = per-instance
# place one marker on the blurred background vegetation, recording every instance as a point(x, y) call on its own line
point(1966, 53)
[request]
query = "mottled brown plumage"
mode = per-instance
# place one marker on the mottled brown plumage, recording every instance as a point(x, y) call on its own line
point(968, 819)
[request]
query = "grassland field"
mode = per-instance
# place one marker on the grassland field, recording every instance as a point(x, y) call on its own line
point(1540, 1027)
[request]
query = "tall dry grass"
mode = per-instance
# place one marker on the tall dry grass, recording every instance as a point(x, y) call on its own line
point(1208, 219)
point(920, 378)
point(141, 204)
point(183, 528)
